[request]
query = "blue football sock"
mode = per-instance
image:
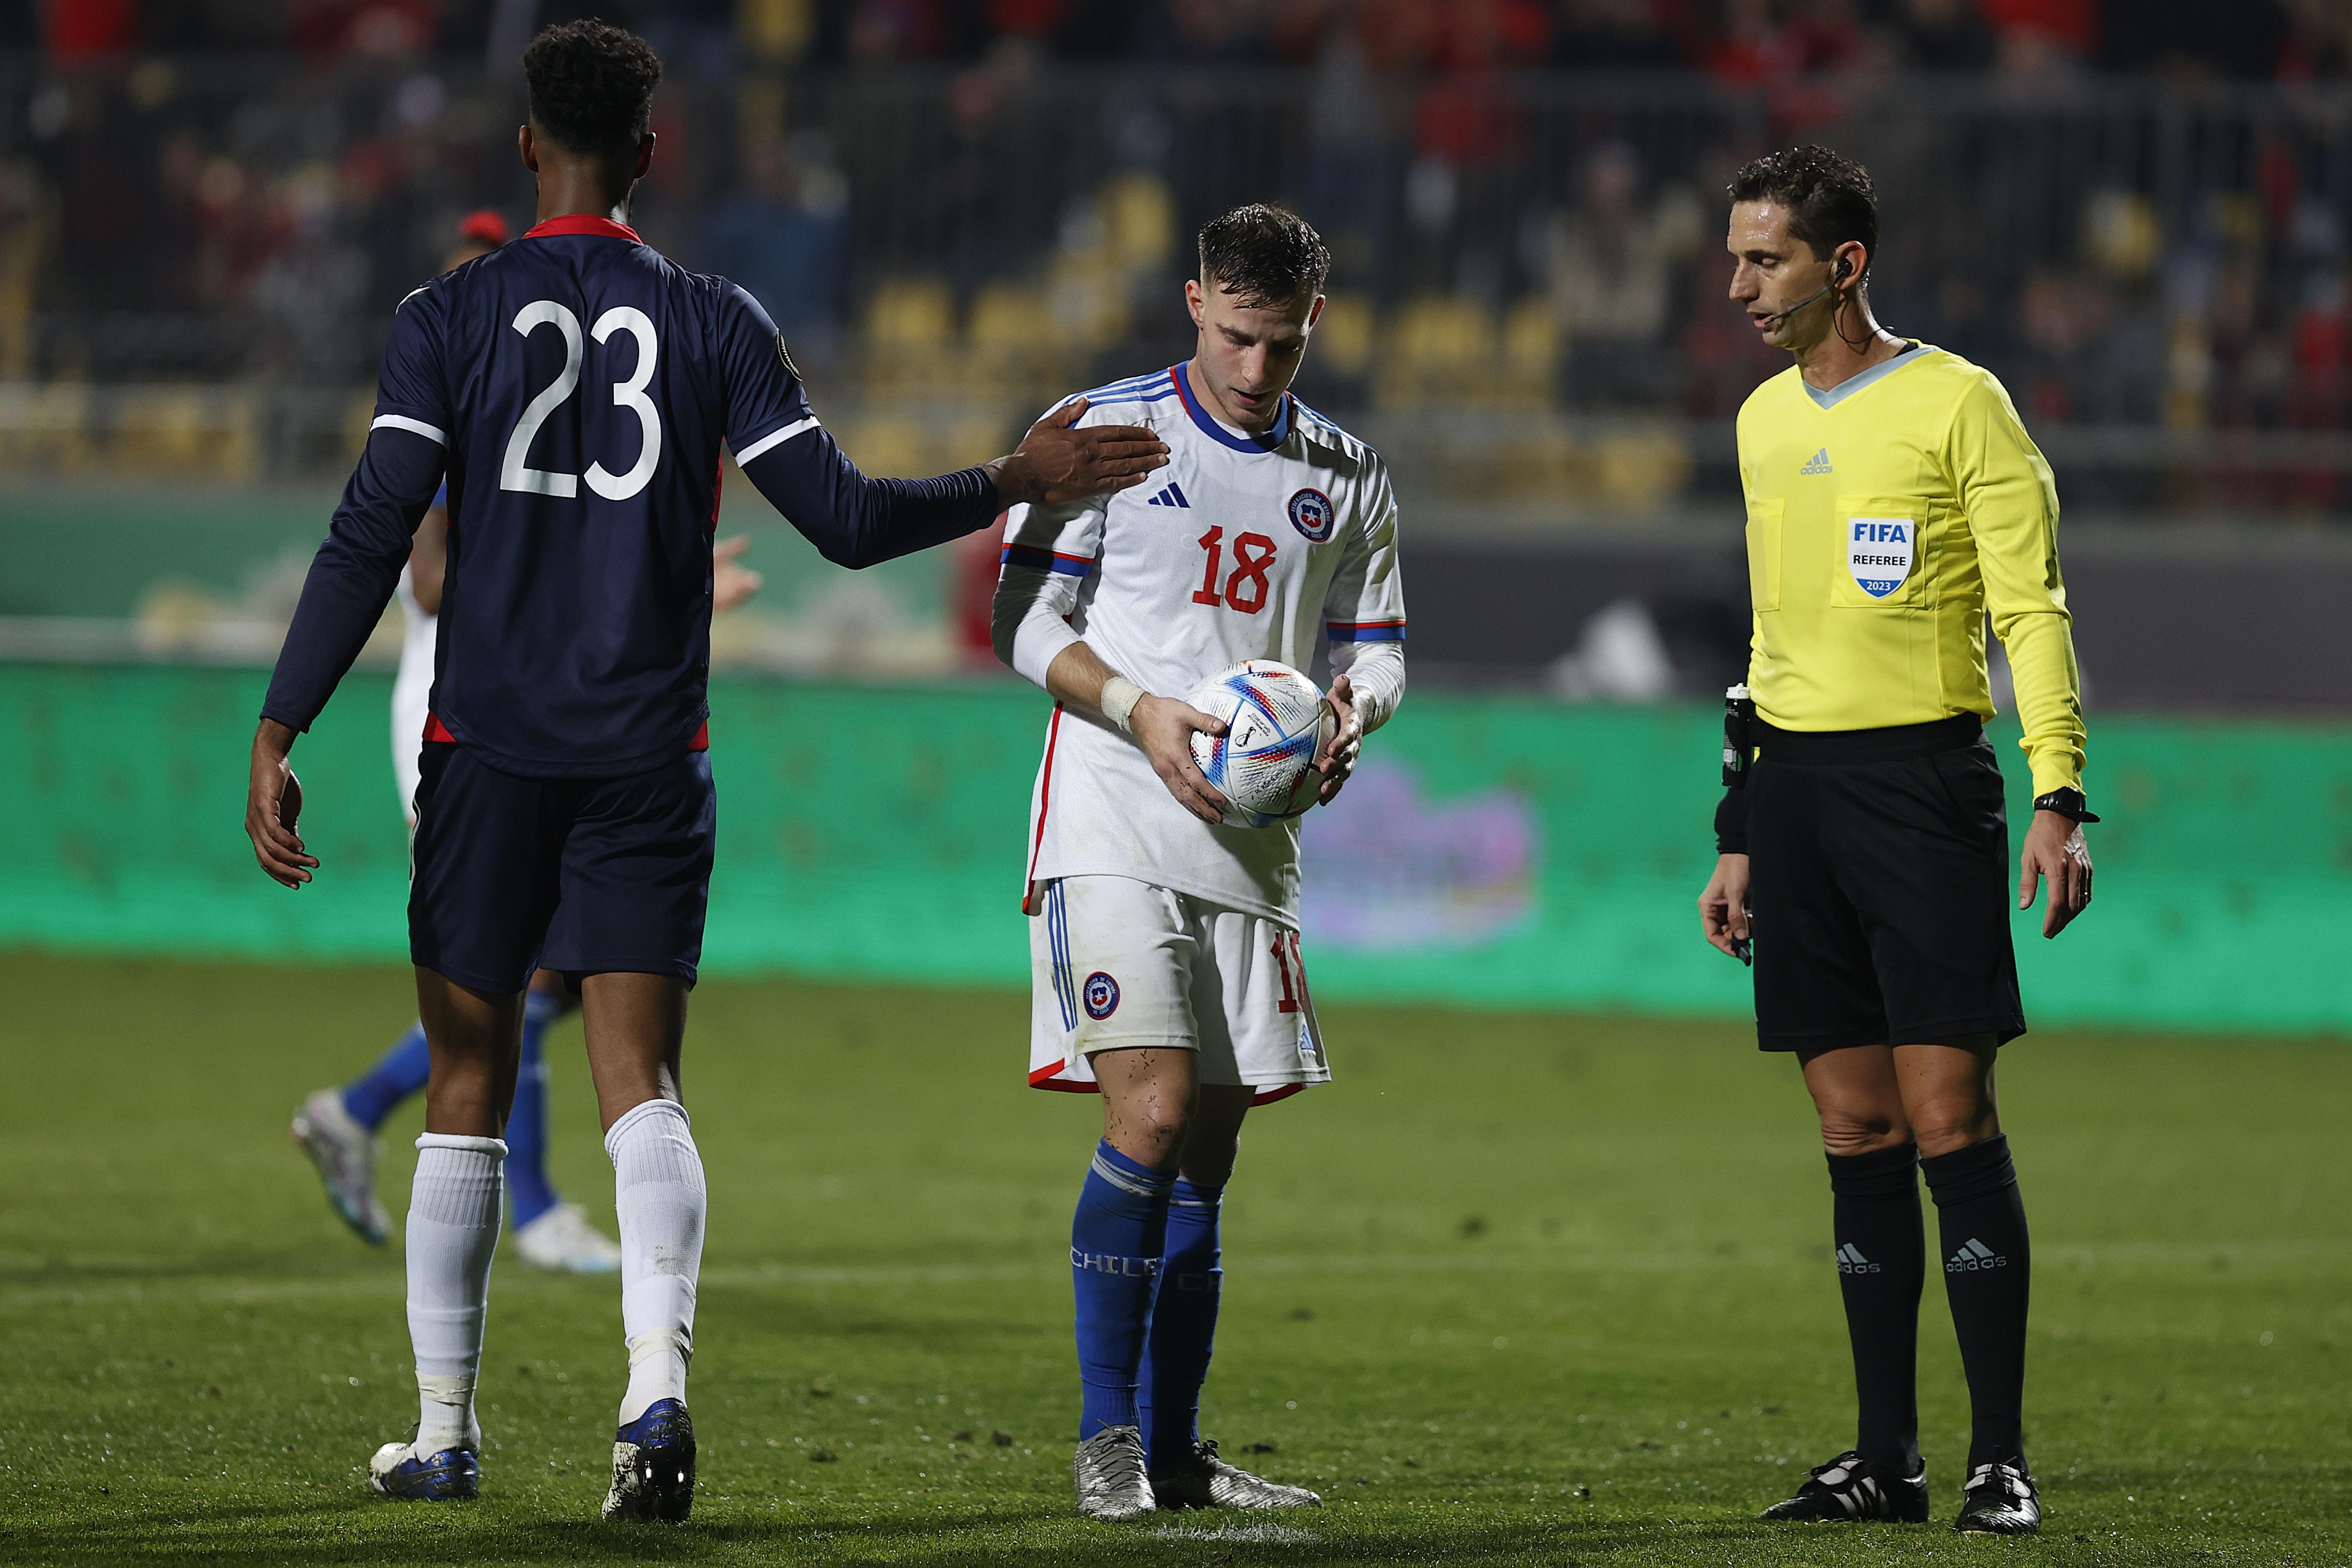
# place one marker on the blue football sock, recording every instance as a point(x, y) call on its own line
point(527, 1185)
point(1184, 1326)
point(397, 1074)
point(1115, 1246)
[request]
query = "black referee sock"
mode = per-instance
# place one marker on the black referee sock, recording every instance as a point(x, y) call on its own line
point(1988, 1266)
point(1882, 1262)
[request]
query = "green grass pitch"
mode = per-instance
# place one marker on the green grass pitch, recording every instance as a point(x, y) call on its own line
point(1515, 1290)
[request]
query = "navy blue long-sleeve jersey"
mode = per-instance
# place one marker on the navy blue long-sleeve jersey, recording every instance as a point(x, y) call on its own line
point(575, 387)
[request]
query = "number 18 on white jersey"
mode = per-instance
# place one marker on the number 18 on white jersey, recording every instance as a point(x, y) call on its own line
point(1244, 546)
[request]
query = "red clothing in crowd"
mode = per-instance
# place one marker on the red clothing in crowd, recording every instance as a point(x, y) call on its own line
point(2074, 23)
point(84, 29)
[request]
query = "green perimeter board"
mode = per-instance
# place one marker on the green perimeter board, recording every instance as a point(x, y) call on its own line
point(95, 551)
point(877, 832)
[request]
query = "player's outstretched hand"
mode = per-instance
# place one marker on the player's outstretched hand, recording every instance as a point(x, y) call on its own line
point(2054, 848)
point(730, 584)
point(1722, 907)
point(1337, 759)
point(1056, 461)
point(273, 800)
point(1164, 727)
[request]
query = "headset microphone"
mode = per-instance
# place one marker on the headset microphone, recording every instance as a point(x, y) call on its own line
point(1843, 267)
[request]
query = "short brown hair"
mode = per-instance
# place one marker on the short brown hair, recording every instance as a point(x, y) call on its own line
point(1263, 255)
point(1829, 196)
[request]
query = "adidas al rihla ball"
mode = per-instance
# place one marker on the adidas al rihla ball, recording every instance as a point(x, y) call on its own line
point(1275, 720)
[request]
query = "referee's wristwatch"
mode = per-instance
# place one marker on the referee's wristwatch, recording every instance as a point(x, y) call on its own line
point(2067, 803)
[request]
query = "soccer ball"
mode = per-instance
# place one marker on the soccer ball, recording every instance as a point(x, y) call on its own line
point(1275, 720)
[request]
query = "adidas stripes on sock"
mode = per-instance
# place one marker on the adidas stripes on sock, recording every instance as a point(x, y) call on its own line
point(1881, 1264)
point(1988, 1269)
point(400, 1072)
point(1116, 1241)
point(528, 1188)
point(663, 1203)
point(454, 1210)
point(1183, 1325)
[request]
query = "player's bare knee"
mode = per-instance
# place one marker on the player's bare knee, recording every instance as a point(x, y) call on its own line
point(1944, 1127)
point(1864, 1130)
point(1159, 1125)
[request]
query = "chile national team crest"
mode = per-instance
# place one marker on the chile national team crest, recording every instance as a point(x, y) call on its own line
point(1100, 995)
point(1312, 514)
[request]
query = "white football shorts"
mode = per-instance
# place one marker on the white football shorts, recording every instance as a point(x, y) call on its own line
point(1118, 963)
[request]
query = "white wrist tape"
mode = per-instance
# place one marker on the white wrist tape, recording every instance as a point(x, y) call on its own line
point(1120, 696)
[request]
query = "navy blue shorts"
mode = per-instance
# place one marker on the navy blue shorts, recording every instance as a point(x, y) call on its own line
point(509, 874)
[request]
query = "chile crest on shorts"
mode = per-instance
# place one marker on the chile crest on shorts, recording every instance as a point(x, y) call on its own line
point(1312, 514)
point(1879, 551)
point(1100, 995)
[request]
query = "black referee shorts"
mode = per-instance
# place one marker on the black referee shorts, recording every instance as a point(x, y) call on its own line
point(1879, 882)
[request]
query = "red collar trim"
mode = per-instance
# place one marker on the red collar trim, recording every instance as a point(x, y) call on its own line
point(582, 223)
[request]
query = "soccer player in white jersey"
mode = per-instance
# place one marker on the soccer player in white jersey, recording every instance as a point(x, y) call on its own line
point(1164, 945)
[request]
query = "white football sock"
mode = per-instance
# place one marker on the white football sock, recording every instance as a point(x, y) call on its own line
point(659, 1193)
point(454, 1211)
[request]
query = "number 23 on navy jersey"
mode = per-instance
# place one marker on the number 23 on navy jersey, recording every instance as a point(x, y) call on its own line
point(582, 385)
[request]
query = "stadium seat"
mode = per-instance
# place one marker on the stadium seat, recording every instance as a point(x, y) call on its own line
point(1343, 338)
point(1020, 337)
point(910, 327)
point(1139, 215)
point(1439, 350)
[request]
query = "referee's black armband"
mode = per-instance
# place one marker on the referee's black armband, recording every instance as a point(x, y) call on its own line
point(1731, 822)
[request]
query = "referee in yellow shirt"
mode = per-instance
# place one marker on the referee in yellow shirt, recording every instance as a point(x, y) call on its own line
point(1894, 499)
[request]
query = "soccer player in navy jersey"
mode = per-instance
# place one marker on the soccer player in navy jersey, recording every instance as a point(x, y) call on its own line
point(575, 388)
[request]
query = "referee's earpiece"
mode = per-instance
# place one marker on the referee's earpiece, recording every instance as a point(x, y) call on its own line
point(1845, 266)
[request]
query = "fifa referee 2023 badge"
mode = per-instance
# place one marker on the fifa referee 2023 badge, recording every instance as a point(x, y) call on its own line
point(1893, 501)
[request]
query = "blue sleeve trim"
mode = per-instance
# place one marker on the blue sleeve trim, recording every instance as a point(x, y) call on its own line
point(1364, 631)
point(1038, 560)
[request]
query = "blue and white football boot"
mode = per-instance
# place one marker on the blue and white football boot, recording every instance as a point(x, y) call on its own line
point(653, 1466)
point(453, 1474)
point(344, 1152)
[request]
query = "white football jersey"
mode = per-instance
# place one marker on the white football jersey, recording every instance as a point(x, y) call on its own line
point(412, 692)
point(1242, 547)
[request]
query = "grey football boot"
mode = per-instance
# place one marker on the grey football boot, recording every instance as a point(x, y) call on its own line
point(1207, 1481)
point(1110, 1474)
point(344, 1152)
point(2000, 1499)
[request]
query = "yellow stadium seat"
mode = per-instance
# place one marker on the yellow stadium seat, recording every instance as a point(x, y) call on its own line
point(910, 313)
point(1343, 338)
point(1138, 212)
point(909, 331)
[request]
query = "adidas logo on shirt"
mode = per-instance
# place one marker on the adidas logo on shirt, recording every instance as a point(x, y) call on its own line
point(1820, 464)
point(1170, 496)
point(1850, 1260)
point(1972, 1256)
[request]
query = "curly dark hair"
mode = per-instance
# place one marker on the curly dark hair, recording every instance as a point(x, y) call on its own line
point(592, 87)
point(1829, 196)
point(1264, 255)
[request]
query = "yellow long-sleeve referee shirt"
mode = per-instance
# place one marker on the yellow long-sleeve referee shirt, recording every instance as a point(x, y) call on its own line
point(1884, 518)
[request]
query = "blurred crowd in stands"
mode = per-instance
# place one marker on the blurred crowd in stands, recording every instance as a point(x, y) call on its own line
point(972, 205)
point(1733, 40)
